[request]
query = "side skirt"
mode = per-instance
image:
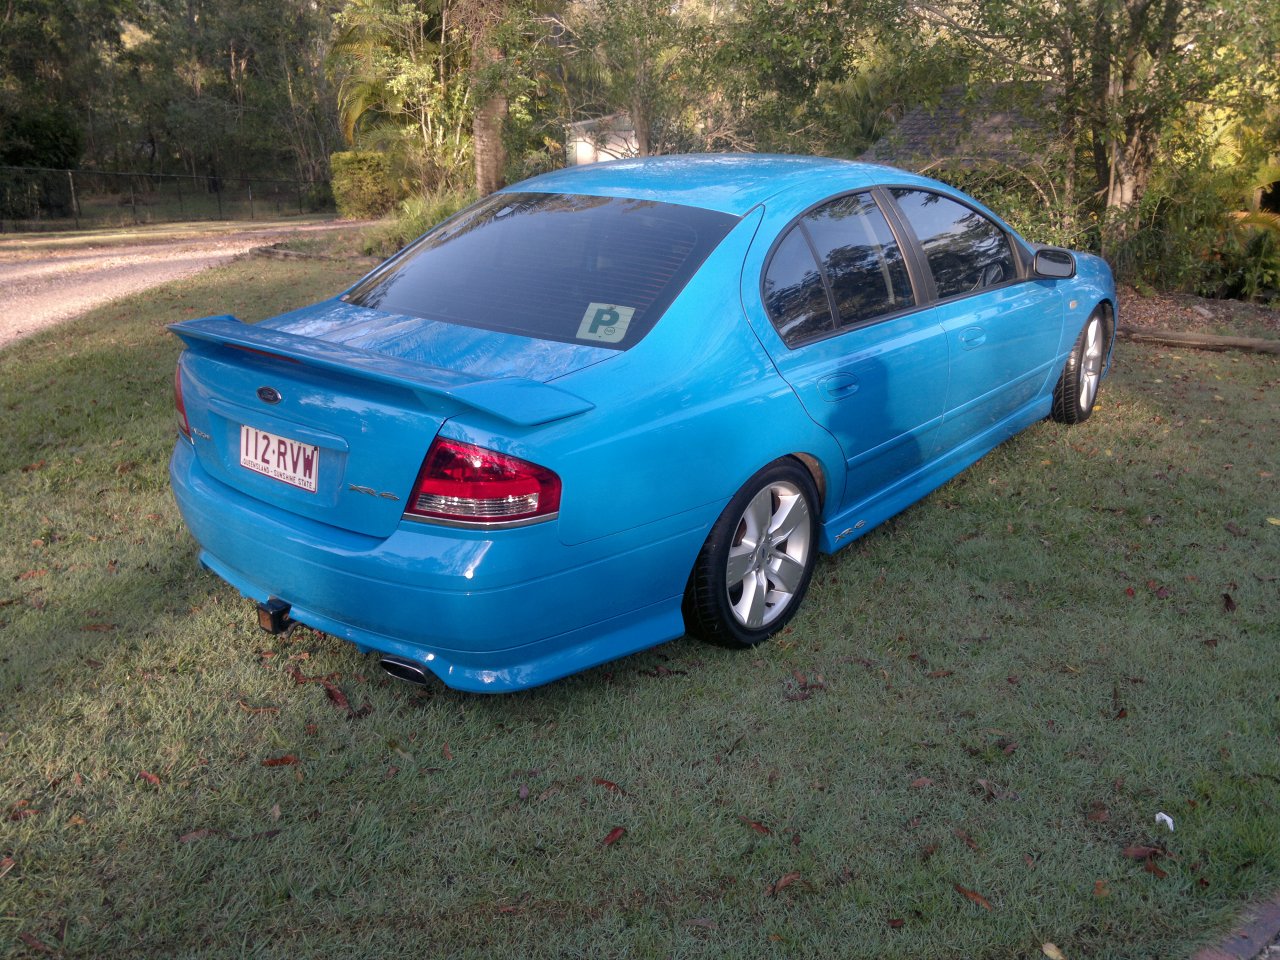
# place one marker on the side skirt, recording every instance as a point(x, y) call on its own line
point(841, 530)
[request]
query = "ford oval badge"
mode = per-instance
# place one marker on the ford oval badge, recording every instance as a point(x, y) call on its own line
point(268, 394)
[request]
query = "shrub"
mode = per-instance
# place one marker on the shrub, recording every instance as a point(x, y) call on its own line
point(416, 216)
point(362, 184)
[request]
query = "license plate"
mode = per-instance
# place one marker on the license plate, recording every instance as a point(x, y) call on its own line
point(280, 458)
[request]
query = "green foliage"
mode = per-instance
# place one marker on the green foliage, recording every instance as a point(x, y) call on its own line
point(40, 135)
point(403, 88)
point(362, 184)
point(415, 216)
point(1193, 236)
point(37, 136)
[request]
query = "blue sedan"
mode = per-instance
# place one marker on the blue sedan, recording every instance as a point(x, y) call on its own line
point(617, 403)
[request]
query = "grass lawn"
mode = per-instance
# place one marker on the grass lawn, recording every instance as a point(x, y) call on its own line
point(957, 750)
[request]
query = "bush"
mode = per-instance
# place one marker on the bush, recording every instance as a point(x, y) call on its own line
point(362, 184)
point(417, 215)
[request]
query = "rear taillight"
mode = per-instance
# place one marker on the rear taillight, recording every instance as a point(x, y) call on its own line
point(180, 407)
point(469, 484)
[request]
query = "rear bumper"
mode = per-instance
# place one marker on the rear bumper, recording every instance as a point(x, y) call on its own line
point(489, 612)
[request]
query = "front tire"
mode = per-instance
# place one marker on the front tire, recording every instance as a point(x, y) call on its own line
point(756, 564)
point(1077, 389)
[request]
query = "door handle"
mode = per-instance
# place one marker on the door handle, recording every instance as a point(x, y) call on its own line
point(973, 337)
point(837, 386)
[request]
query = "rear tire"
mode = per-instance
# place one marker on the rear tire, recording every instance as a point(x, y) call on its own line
point(1077, 389)
point(756, 564)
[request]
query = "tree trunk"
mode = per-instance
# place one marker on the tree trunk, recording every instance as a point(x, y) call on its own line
point(490, 152)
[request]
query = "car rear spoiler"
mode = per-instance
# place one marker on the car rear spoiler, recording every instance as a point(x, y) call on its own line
point(517, 400)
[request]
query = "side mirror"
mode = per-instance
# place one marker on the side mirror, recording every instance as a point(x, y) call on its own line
point(1054, 263)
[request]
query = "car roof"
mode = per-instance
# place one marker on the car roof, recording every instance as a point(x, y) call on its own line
point(727, 182)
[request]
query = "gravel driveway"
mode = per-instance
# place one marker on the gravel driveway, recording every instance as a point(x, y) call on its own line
point(42, 284)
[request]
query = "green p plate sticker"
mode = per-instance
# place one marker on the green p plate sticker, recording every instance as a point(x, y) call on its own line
point(606, 322)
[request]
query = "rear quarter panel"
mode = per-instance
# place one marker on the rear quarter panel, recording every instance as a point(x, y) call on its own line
point(681, 420)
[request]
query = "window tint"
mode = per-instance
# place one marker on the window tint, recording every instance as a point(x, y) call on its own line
point(861, 258)
point(966, 251)
point(793, 291)
point(594, 270)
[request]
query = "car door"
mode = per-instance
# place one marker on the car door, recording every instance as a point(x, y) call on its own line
point(1002, 328)
point(866, 361)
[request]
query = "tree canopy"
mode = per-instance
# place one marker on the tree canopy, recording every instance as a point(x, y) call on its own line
point(1140, 103)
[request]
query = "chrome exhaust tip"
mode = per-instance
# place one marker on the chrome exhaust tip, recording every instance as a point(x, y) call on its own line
point(403, 669)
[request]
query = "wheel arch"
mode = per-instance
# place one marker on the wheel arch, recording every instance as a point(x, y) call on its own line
point(817, 472)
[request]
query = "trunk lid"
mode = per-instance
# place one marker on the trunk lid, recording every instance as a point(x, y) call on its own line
point(332, 423)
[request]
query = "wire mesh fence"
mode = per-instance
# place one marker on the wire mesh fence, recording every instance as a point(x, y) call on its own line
point(39, 198)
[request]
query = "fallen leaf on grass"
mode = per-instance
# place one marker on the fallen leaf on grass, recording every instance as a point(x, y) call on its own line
point(1274, 521)
point(1130, 592)
point(938, 674)
point(896, 922)
point(993, 792)
point(661, 671)
point(704, 923)
point(446, 752)
point(969, 842)
point(201, 834)
point(21, 810)
point(1098, 813)
point(108, 627)
point(34, 943)
point(32, 574)
point(973, 895)
point(151, 778)
point(1233, 529)
point(1228, 603)
point(784, 881)
point(759, 828)
point(337, 696)
point(613, 836)
point(1029, 861)
point(1151, 868)
point(609, 785)
point(1051, 951)
point(1138, 852)
point(287, 760)
point(1100, 889)
point(919, 782)
point(248, 709)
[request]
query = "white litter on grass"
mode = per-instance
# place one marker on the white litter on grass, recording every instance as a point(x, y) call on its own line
point(1166, 820)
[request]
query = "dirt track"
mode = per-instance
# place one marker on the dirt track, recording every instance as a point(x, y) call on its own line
point(43, 282)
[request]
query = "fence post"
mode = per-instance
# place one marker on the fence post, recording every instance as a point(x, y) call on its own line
point(298, 188)
point(133, 201)
point(217, 190)
point(181, 210)
point(75, 204)
point(251, 200)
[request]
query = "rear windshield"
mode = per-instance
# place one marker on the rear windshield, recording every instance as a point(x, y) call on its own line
point(588, 270)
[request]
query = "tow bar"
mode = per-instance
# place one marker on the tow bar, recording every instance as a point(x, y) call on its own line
point(273, 616)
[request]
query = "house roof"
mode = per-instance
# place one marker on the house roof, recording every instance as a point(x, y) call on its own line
point(1006, 123)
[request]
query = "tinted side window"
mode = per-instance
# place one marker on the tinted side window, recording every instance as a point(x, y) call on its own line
point(793, 291)
point(861, 257)
point(966, 251)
